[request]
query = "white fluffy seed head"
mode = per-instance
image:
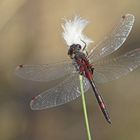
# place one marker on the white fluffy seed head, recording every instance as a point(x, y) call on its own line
point(73, 31)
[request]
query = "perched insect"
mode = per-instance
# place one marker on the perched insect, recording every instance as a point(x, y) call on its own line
point(92, 65)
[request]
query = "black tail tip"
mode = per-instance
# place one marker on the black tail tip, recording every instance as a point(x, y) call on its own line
point(109, 121)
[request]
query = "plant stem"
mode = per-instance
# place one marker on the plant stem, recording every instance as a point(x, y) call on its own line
point(84, 108)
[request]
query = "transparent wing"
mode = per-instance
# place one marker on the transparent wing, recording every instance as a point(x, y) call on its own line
point(113, 41)
point(108, 70)
point(64, 92)
point(45, 72)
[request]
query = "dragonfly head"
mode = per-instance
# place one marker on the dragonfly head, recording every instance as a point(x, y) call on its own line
point(75, 48)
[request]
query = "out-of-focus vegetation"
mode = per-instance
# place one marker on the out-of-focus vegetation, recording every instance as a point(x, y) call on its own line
point(30, 32)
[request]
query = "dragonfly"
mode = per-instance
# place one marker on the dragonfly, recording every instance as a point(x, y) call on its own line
point(93, 65)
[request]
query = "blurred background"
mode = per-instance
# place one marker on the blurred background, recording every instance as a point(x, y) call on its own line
point(30, 33)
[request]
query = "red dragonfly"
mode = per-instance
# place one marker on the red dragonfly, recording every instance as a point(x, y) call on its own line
point(92, 65)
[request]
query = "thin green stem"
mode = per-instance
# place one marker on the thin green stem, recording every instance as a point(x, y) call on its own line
point(84, 108)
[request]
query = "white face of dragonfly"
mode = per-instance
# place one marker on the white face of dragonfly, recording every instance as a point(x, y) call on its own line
point(74, 49)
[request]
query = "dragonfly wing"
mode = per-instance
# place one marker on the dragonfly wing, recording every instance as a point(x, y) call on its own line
point(113, 41)
point(108, 70)
point(62, 93)
point(45, 72)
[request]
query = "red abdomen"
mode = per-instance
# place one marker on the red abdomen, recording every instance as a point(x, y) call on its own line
point(89, 75)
